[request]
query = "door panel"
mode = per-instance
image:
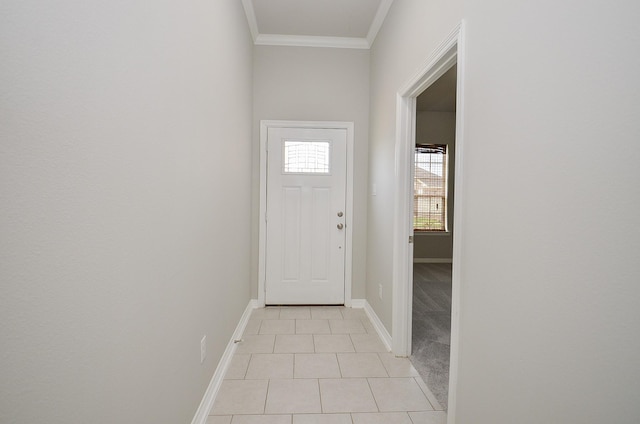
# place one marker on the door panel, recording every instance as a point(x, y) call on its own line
point(306, 187)
point(321, 245)
point(291, 233)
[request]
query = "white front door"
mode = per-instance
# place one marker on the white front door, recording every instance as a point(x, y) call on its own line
point(305, 214)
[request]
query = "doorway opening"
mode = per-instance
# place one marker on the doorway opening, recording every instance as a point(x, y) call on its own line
point(433, 191)
point(448, 55)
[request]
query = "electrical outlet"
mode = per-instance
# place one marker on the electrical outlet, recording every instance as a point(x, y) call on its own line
point(203, 349)
point(380, 291)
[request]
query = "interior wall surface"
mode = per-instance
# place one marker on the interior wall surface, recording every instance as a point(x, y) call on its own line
point(549, 315)
point(548, 264)
point(125, 163)
point(412, 30)
point(435, 127)
point(315, 84)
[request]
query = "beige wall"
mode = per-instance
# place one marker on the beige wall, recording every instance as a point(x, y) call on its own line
point(437, 128)
point(315, 84)
point(125, 146)
point(548, 283)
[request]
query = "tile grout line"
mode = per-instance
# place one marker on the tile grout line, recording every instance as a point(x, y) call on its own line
point(383, 365)
point(335, 353)
point(264, 409)
point(372, 395)
point(246, 371)
point(293, 372)
point(320, 396)
point(427, 394)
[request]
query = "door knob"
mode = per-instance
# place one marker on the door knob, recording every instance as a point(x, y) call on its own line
point(340, 226)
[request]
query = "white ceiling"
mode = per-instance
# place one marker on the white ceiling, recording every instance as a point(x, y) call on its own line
point(335, 23)
point(316, 23)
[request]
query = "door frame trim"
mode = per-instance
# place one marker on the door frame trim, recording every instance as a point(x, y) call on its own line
point(451, 51)
point(262, 238)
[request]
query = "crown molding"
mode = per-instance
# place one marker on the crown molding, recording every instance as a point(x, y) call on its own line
point(251, 18)
point(378, 20)
point(316, 41)
point(311, 41)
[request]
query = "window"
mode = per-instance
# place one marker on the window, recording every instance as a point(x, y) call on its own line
point(430, 188)
point(306, 157)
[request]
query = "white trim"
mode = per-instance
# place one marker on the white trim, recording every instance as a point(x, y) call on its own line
point(429, 394)
point(262, 238)
point(458, 225)
point(427, 234)
point(251, 18)
point(378, 325)
point(311, 41)
point(402, 226)
point(443, 58)
point(376, 24)
point(436, 65)
point(432, 260)
point(218, 376)
point(450, 52)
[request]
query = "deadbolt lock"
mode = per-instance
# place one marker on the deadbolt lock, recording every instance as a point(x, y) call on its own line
point(340, 214)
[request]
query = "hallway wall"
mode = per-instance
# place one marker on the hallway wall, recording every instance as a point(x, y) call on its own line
point(550, 241)
point(125, 146)
point(315, 84)
point(404, 42)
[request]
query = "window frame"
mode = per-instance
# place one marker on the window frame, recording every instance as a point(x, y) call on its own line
point(329, 157)
point(444, 209)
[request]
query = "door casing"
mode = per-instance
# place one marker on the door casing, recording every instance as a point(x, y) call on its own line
point(451, 51)
point(264, 129)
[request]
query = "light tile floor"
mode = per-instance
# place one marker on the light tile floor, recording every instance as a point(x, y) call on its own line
point(320, 365)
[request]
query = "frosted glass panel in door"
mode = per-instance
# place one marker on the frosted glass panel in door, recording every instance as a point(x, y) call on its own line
point(306, 157)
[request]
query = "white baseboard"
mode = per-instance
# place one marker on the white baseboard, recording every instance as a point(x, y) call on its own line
point(377, 324)
point(218, 376)
point(432, 260)
point(216, 381)
point(373, 317)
